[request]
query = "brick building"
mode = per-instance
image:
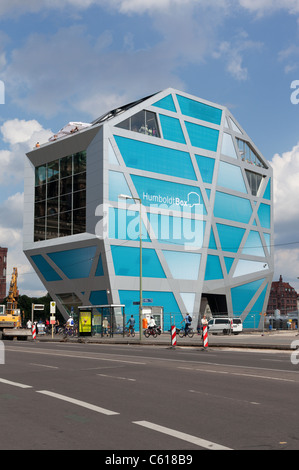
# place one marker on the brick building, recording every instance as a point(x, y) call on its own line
point(282, 297)
point(3, 261)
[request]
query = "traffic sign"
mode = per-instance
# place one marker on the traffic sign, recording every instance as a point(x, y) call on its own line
point(38, 307)
point(53, 307)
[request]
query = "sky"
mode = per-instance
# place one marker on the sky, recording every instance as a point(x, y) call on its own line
point(73, 60)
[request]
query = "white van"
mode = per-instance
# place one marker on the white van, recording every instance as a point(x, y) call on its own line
point(237, 326)
point(225, 325)
point(220, 325)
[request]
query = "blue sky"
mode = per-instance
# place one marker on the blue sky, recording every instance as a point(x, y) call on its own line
point(73, 60)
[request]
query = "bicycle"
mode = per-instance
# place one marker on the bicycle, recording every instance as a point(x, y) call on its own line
point(190, 332)
point(130, 331)
point(150, 332)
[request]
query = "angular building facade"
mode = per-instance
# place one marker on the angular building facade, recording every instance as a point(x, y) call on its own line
point(203, 192)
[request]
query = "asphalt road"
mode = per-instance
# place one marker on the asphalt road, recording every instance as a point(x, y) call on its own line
point(130, 397)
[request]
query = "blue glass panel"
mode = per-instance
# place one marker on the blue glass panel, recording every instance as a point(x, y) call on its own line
point(47, 271)
point(164, 299)
point(74, 263)
point(232, 207)
point(264, 214)
point(98, 297)
point(177, 230)
point(228, 263)
point(173, 195)
point(166, 103)
point(100, 270)
point(117, 185)
point(171, 129)
point(245, 266)
point(206, 168)
point(126, 261)
point(199, 110)
point(150, 157)
point(253, 245)
point(188, 299)
point(230, 176)
point(268, 241)
point(202, 137)
point(213, 268)
point(267, 194)
point(212, 244)
point(242, 295)
point(228, 148)
point(183, 265)
point(253, 318)
point(124, 225)
point(230, 237)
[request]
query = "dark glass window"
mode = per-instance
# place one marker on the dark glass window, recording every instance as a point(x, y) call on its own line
point(144, 122)
point(60, 197)
point(39, 229)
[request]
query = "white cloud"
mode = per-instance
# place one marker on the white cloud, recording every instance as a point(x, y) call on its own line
point(233, 51)
point(21, 136)
point(286, 214)
point(262, 7)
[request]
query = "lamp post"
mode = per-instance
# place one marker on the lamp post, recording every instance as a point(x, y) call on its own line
point(124, 196)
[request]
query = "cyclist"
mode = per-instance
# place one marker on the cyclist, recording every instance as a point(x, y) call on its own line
point(188, 321)
point(151, 323)
point(131, 322)
point(70, 324)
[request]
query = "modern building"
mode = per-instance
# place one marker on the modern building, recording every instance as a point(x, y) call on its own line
point(283, 297)
point(205, 194)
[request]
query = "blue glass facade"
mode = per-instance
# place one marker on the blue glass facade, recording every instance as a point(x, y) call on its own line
point(206, 198)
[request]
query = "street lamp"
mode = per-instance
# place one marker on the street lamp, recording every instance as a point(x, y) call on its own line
point(124, 196)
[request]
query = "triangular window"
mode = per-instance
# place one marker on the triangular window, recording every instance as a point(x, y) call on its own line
point(254, 181)
point(248, 154)
point(144, 122)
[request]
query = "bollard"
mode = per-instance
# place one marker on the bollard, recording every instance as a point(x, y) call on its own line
point(33, 331)
point(205, 337)
point(173, 336)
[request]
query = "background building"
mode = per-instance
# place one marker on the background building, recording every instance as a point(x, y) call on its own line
point(283, 297)
point(3, 267)
point(206, 197)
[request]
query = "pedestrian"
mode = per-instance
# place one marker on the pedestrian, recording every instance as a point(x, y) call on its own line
point(105, 326)
point(29, 325)
point(188, 321)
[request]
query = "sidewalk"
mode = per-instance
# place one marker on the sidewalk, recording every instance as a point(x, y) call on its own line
point(277, 340)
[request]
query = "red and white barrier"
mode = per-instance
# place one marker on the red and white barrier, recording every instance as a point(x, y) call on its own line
point(205, 337)
point(173, 336)
point(33, 331)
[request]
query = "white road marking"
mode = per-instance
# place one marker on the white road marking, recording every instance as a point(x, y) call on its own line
point(15, 384)
point(181, 435)
point(238, 374)
point(113, 377)
point(43, 365)
point(78, 402)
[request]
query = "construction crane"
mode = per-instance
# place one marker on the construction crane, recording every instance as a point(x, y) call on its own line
point(10, 316)
point(13, 294)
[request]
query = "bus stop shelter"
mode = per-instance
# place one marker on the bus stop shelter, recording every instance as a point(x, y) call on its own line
point(103, 320)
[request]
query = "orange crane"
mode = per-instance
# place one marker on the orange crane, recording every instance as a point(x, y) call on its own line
point(10, 316)
point(13, 294)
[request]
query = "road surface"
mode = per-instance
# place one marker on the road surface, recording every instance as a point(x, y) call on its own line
point(131, 397)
